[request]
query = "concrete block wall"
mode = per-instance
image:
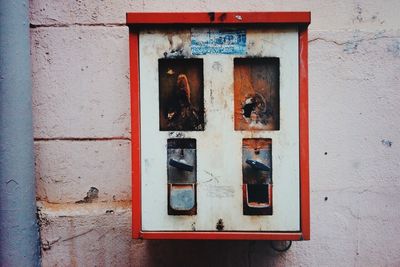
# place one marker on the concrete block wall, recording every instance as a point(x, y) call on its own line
point(82, 137)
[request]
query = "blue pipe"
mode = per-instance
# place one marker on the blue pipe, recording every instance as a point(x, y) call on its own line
point(19, 236)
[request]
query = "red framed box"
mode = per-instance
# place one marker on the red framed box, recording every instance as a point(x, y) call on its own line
point(140, 21)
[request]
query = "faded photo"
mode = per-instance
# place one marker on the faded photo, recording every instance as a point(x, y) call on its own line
point(181, 94)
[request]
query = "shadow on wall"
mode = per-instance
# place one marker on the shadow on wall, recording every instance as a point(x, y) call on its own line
point(206, 253)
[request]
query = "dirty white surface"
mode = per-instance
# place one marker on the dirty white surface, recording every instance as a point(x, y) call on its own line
point(354, 64)
point(219, 146)
point(66, 170)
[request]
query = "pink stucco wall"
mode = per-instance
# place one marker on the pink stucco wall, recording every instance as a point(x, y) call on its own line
point(82, 129)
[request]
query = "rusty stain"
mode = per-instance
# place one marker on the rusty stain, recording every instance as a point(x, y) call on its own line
point(256, 93)
point(211, 15)
point(220, 225)
point(222, 17)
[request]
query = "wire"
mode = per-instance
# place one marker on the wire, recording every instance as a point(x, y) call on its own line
point(286, 248)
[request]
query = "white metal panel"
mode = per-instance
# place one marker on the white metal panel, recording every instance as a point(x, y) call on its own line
point(219, 147)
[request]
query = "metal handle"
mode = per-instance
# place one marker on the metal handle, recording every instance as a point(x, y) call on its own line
point(181, 165)
point(258, 165)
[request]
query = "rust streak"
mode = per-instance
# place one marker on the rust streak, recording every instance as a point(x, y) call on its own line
point(211, 15)
point(223, 17)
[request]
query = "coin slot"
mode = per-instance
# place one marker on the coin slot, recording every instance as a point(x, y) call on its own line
point(257, 176)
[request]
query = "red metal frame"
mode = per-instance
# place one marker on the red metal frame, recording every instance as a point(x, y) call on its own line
point(303, 132)
point(218, 18)
point(135, 133)
point(138, 20)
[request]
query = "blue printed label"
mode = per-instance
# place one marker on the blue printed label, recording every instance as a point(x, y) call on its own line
point(218, 41)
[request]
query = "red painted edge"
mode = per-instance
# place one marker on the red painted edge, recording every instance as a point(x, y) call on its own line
point(304, 132)
point(303, 135)
point(222, 235)
point(135, 133)
point(133, 18)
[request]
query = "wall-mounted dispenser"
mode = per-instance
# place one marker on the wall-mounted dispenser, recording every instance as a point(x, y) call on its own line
point(219, 125)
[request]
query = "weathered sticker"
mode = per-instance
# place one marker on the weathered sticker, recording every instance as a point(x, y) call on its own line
point(218, 41)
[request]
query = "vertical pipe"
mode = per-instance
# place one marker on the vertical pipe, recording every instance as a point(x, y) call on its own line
point(18, 228)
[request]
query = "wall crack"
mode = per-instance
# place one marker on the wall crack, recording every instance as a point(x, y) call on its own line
point(78, 235)
point(352, 41)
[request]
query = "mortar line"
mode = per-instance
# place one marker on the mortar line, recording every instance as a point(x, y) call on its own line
point(82, 138)
point(66, 25)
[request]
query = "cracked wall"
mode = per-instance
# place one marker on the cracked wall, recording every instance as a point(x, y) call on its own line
point(82, 137)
